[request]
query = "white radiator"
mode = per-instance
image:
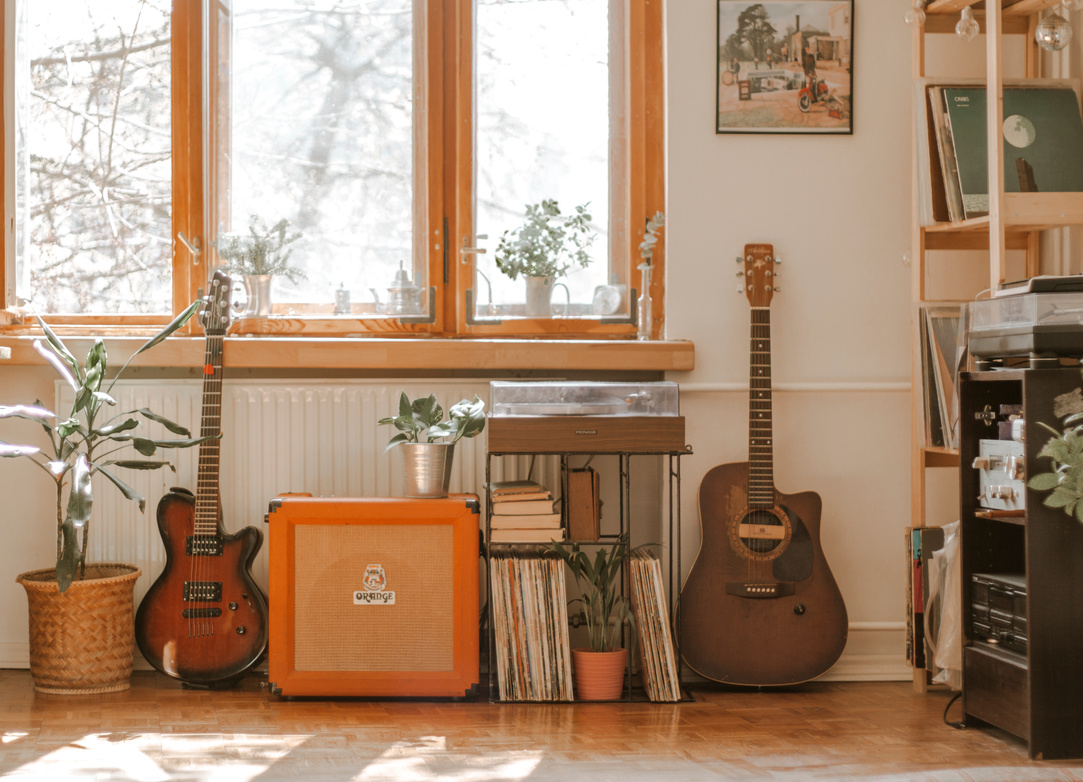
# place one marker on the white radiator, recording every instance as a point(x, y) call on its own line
point(278, 436)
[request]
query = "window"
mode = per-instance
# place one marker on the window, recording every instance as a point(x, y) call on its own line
point(393, 147)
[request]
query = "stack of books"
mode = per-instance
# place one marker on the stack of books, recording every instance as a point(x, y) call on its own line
point(523, 513)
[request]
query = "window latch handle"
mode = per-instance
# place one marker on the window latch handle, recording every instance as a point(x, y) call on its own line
point(191, 244)
point(466, 249)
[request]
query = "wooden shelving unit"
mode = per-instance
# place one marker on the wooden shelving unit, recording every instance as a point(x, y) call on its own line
point(1014, 222)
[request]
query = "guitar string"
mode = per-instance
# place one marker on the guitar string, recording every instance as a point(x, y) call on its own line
point(761, 478)
point(199, 626)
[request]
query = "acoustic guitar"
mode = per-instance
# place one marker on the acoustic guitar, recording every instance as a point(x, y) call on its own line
point(204, 620)
point(760, 605)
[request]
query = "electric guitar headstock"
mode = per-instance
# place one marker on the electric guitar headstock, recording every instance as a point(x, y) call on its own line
point(759, 274)
point(217, 305)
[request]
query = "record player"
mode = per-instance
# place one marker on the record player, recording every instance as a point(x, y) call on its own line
point(1040, 319)
point(584, 417)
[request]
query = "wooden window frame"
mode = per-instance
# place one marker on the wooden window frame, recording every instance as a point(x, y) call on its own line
point(446, 30)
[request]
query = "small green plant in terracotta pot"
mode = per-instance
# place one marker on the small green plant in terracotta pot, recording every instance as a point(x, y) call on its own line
point(599, 670)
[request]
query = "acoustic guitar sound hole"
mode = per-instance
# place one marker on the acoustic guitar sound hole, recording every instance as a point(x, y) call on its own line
point(761, 533)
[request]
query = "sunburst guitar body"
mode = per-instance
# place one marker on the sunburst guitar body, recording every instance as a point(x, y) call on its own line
point(760, 606)
point(204, 619)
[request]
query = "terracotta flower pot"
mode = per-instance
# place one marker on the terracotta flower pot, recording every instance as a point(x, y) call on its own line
point(82, 640)
point(599, 676)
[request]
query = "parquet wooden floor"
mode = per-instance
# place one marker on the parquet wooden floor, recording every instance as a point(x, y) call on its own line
point(157, 731)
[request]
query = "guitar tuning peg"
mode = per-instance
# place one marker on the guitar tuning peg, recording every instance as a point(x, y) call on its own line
point(777, 289)
point(740, 289)
point(777, 259)
point(740, 274)
point(224, 320)
point(739, 259)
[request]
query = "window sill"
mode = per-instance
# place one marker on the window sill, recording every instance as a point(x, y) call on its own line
point(389, 354)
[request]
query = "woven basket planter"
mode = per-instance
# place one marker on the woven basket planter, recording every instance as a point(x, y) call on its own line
point(82, 640)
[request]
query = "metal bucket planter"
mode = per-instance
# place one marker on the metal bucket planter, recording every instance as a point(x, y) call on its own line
point(82, 640)
point(427, 468)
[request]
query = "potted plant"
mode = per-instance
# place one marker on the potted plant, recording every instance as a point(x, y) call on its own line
point(81, 616)
point(428, 442)
point(257, 258)
point(1065, 451)
point(544, 248)
point(599, 670)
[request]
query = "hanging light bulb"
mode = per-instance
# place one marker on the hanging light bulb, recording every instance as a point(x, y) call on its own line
point(967, 26)
point(916, 13)
point(1053, 33)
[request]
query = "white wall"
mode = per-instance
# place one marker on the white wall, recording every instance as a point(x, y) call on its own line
point(837, 210)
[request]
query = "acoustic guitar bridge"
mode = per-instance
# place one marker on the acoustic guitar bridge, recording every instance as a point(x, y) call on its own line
point(759, 591)
point(203, 546)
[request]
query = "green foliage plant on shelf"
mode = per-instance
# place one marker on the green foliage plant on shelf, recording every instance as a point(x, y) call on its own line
point(650, 236)
point(261, 251)
point(421, 420)
point(89, 441)
point(547, 244)
point(604, 606)
point(1065, 450)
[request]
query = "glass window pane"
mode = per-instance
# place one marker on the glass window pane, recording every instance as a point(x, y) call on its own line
point(316, 112)
point(542, 133)
point(93, 157)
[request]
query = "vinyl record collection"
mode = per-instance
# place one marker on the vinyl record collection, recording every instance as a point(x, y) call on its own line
point(530, 620)
point(657, 658)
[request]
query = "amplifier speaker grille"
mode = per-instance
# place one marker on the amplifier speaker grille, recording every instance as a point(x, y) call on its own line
point(333, 634)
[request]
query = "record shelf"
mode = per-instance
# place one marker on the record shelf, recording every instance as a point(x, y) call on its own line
point(508, 437)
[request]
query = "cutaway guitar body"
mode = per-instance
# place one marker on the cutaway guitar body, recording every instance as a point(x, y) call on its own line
point(760, 605)
point(204, 619)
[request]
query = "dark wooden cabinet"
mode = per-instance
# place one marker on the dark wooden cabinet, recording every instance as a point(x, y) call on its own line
point(1037, 695)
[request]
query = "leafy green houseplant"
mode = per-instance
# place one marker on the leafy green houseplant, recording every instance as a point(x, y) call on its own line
point(427, 441)
point(599, 670)
point(89, 441)
point(262, 251)
point(423, 418)
point(604, 606)
point(547, 244)
point(1065, 482)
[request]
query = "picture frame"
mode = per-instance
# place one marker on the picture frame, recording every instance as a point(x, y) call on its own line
point(785, 66)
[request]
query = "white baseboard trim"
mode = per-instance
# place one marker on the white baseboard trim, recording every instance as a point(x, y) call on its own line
point(869, 668)
point(874, 653)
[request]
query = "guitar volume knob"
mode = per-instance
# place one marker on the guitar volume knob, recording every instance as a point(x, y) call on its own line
point(241, 630)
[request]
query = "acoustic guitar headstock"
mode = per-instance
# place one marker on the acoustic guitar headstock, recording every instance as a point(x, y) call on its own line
point(759, 274)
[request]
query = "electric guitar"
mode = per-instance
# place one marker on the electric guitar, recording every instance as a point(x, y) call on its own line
point(760, 605)
point(204, 620)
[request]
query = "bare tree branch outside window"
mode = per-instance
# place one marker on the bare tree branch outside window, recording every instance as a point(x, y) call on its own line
point(94, 157)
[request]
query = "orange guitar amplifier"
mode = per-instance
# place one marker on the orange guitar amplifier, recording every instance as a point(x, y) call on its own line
point(374, 597)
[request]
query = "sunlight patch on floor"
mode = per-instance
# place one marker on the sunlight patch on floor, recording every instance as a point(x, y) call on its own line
point(155, 757)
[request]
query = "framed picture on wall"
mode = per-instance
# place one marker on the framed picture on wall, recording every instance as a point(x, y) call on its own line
point(785, 66)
